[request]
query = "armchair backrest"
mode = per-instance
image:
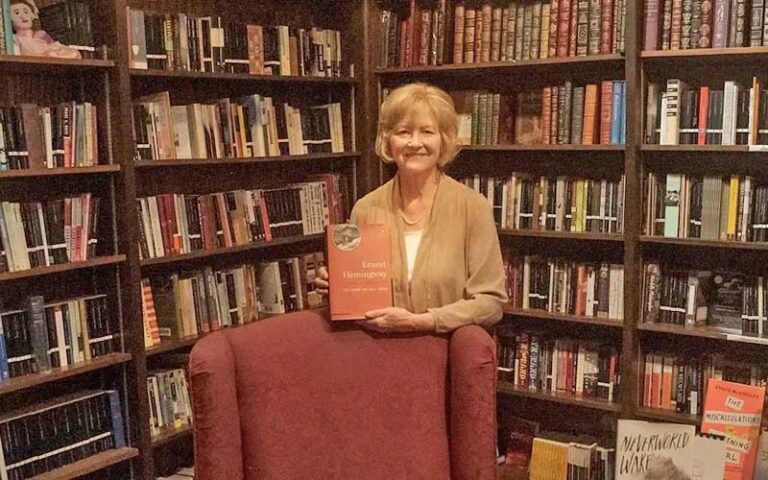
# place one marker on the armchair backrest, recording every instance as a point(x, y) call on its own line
point(292, 397)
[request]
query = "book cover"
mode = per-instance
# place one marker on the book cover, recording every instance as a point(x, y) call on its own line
point(360, 270)
point(735, 411)
point(654, 450)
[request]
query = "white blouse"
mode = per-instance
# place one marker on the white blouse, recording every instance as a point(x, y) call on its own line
point(412, 241)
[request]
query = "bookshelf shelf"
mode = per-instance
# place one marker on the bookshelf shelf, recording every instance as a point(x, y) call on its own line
point(667, 416)
point(230, 250)
point(63, 267)
point(171, 435)
point(28, 64)
point(586, 236)
point(173, 344)
point(90, 465)
point(529, 313)
point(152, 164)
point(733, 54)
point(695, 242)
point(28, 381)
point(496, 67)
point(185, 342)
point(701, 332)
point(233, 77)
point(705, 148)
point(541, 147)
point(507, 388)
point(57, 172)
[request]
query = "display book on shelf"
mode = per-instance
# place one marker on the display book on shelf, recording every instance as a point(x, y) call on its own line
point(532, 202)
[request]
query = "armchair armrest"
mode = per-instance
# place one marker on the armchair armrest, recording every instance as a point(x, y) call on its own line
point(472, 403)
point(217, 418)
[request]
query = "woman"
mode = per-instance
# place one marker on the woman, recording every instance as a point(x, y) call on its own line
point(447, 267)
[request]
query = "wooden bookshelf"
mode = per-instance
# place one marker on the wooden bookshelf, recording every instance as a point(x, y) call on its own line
point(659, 415)
point(507, 388)
point(170, 345)
point(581, 236)
point(199, 254)
point(62, 267)
point(701, 332)
point(151, 164)
point(171, 435)
point(491, 68)
point(695, 242)
point(231, 77)
point(469, 149)
point(57, 172)
point(25, 64)
point(732, 54)
point(90, 464)
point(541, 314)
point(35, 380)
point(646, 147)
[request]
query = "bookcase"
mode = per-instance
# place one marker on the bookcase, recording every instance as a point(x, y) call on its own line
point(120, 179)
point(633, 247)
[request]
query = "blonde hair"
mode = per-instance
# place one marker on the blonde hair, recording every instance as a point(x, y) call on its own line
point(404, 100)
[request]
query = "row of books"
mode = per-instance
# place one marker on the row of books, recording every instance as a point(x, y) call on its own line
point(559, 204)
point(40, 336)
point(46, 436)
point(540, 363)
point(252, 126)
point(64, 135)
point(727, 301)
point(693, 24)
point(532, 453)
point(67, 21)
point(563, 286)
point(169, 403)
point(687, 115)
point(679, 382)
point(194, 302)
point(183, 42)
point(731, 208)
point(592, 114)
point(39, 234)
point(480, 32)
point(173, 224)
point(569, 460)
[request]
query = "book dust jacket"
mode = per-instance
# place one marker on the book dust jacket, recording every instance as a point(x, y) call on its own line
point(360, 270)
point(735, 411)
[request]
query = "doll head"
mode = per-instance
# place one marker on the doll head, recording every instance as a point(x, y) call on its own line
point(23, 14)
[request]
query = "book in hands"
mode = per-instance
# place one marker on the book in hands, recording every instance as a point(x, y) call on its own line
point(359, 270)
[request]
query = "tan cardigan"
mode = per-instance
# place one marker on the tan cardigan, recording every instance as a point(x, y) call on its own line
point(458, 275)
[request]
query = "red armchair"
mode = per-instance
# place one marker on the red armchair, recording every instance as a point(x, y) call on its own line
point(292, 397)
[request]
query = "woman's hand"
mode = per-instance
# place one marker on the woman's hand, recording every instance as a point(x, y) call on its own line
point(321, 281)
point(396, 319)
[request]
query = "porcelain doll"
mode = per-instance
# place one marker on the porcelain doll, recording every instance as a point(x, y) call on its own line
point(29, 41)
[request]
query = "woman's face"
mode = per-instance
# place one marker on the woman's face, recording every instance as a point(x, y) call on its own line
point(22, 16)
point(414, 143)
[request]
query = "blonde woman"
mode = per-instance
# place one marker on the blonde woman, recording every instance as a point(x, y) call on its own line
point(447, 266)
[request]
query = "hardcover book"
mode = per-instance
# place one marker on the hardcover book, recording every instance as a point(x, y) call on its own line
point(654, 450)
point(360, 270)
point(735, 411)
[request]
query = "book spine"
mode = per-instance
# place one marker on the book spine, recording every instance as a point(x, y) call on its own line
point(38, 331)
point(118, 429)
